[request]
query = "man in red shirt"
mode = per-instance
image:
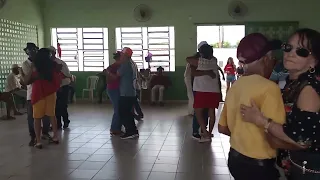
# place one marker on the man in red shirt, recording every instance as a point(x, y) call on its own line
point(159, 82)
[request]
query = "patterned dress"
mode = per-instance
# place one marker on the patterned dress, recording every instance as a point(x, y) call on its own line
point(301, 126)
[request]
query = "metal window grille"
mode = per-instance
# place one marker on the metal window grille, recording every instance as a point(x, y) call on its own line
point(157, 40)
point(83, 49)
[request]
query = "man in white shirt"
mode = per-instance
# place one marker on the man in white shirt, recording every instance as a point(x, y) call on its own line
point(63, 93)
point(26, 68)
point(138, 85)
point(12, 86)
point(13, 82)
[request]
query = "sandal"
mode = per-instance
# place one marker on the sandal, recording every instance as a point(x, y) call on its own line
point(38, 145)
point(54, 141)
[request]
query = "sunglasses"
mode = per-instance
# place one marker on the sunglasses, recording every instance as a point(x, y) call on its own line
point(302, 52)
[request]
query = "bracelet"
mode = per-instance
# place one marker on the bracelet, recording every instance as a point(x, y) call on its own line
point(266, 127)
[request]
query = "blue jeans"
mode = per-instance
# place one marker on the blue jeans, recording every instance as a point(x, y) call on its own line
point(231, 78)
point(195, 124)
point(45, 121)
point(114, 95)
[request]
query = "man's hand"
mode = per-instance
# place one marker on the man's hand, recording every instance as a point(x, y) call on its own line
point(211, 74)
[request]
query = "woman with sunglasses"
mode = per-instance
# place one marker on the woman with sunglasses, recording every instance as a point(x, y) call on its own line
point(302, 105)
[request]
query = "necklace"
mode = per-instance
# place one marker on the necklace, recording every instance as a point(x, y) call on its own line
point(288, 86)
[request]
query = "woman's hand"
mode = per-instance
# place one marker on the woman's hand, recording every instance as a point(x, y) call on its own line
point(252, 114)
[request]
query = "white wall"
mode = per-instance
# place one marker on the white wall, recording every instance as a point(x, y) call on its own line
point(222, 54)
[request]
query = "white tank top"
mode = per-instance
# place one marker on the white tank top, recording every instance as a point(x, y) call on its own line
point(206, 83)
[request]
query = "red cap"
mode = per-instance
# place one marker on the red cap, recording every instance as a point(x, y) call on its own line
point(253, 47)
point(127, 51)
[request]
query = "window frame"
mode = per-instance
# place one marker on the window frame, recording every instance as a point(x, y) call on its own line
point(86, 57)
point(146, 35)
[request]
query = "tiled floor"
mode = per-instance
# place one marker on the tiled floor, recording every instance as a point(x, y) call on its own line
point(164, 150)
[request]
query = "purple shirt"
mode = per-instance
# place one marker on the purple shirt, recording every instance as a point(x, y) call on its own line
point(113, 84)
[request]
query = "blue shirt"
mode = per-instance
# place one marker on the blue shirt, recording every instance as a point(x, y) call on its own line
point(279, 73)
point(127, 79)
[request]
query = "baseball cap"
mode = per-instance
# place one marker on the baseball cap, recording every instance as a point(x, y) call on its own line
point(127, 51)
point(14, 66)
point(202, 43)
point(254, 46)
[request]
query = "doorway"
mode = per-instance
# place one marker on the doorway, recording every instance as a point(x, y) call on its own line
point(225, 40)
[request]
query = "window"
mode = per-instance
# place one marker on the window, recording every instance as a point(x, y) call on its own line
point(83, 49)
point(159, 41)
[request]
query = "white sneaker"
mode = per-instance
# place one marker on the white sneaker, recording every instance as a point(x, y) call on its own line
point(204, 139)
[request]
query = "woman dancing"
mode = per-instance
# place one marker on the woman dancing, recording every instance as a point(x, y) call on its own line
point(45, 79)
point(302, 104)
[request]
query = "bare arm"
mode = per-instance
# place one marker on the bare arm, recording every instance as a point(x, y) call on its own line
point(279, 144)
point(224, 130)
point(308, 100)
point(195, 72)
point(193, 61)
point(25, 78)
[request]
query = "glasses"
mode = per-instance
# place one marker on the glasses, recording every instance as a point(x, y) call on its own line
point(302, 52)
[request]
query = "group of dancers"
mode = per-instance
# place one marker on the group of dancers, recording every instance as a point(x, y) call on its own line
point(263, 123)
point(267, 127)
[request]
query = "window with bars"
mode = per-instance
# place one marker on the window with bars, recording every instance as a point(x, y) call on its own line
point(159, 41)
point(83, 49)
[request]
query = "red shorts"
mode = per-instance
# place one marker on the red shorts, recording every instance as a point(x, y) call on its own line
point(206, 100)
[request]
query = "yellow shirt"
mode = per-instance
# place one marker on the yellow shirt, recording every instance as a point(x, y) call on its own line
point(247, 138)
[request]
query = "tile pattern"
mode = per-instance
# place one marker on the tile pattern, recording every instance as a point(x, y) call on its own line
point(164, 151)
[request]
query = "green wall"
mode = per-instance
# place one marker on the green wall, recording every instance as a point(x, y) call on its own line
point(176, 92)
point(25, 11)
point(20, 22)
point(183, 15)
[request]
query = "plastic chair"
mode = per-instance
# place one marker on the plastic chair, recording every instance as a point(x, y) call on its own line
point(91, 86)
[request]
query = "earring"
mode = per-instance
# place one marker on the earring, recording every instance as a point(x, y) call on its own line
point(312, 70)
